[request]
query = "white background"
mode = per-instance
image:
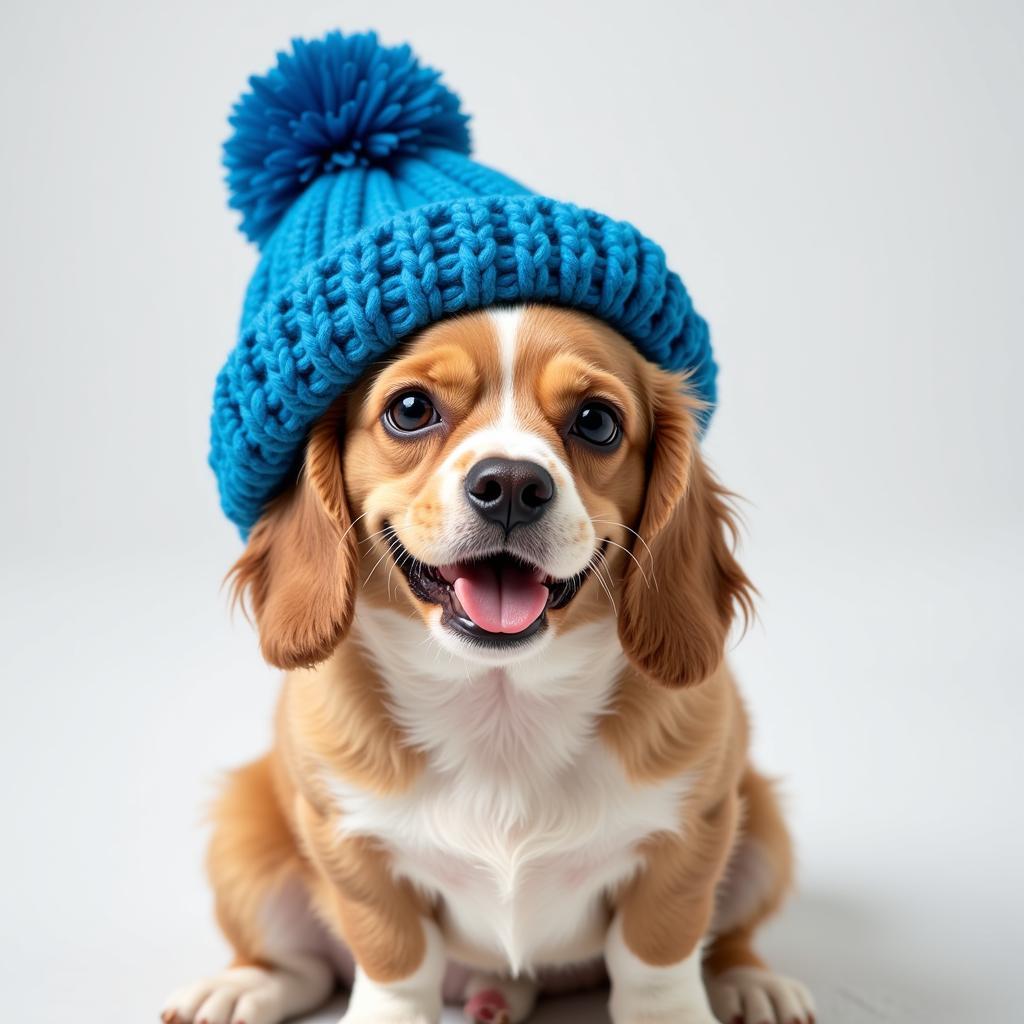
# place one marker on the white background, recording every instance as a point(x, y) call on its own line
point(840, 186)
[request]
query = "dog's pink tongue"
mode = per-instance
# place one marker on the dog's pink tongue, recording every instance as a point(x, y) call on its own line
point(506, 599)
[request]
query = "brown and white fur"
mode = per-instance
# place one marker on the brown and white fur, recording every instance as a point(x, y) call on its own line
point(436, 820)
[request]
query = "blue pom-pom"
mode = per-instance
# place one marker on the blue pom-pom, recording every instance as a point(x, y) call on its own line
point(330, 104)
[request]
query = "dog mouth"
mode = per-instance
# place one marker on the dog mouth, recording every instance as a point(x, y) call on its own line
point(496, 600)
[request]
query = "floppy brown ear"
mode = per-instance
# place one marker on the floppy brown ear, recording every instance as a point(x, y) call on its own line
point(299, 569)
point(673, 625)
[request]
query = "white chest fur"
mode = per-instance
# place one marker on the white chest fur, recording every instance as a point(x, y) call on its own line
point(523, 819)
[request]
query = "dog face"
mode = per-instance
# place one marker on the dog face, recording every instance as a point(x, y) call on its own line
point(496, 460)
point(508, 476)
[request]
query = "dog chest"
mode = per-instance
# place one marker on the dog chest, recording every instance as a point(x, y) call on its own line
point(521, 866)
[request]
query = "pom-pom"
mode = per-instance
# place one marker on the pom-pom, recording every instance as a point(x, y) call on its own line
point(330, 104)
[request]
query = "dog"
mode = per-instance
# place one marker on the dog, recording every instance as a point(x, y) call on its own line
point(509, 755)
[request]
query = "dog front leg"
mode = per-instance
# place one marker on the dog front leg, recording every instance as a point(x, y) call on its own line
point(394, 998)
point(398, 949)
point(653, 948)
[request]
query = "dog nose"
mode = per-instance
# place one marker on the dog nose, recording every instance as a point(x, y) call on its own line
point(509, 491)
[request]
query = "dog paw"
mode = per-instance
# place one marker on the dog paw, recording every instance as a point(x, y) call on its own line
point(251, 995)
point(241, 995)
point(683, 1015)
point(753, 995)
point(656, 1008)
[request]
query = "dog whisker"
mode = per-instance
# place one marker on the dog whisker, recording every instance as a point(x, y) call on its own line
point(606, 589)
point(396, 561)
point(392, 541)
point(640, 568)
point(405, 559)
point(604, 564)
point(596, 563)
point(369, 538)
point(351, 526)
point(628, 529)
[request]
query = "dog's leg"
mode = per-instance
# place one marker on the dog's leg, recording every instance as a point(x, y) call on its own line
point(497, 999)
point(282, 965)
point(413, 998)
point(387, 924)
point(759, 872)
point(653, 949)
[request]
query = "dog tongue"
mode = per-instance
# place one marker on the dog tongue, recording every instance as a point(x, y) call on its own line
point(501, 598)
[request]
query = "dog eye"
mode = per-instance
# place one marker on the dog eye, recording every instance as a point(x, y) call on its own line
point(597, 424)
point(411, 411)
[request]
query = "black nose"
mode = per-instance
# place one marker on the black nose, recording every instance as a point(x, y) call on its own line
point(509, 491)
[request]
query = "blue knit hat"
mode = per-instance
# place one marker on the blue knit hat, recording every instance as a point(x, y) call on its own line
point(350, 165)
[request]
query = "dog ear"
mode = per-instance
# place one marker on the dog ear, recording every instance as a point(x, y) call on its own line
point(673, 625)
point(299, 569)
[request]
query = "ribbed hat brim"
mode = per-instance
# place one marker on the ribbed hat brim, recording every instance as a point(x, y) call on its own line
point(310, 341)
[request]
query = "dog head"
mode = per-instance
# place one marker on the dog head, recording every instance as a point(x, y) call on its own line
point(508, 476)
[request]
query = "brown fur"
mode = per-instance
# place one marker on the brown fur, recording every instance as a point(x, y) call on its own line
point(259, 847)
point(356, 892)
point(672, 574)
point(762, 822)
point(252, 852)
point(299, 568)
point(678, 635)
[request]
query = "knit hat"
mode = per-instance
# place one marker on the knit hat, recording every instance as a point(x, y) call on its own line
point(349, 162)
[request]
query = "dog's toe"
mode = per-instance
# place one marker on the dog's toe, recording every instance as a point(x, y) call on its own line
point(753, 995)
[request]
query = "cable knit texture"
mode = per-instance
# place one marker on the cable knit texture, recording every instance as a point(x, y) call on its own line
point(349, 164)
